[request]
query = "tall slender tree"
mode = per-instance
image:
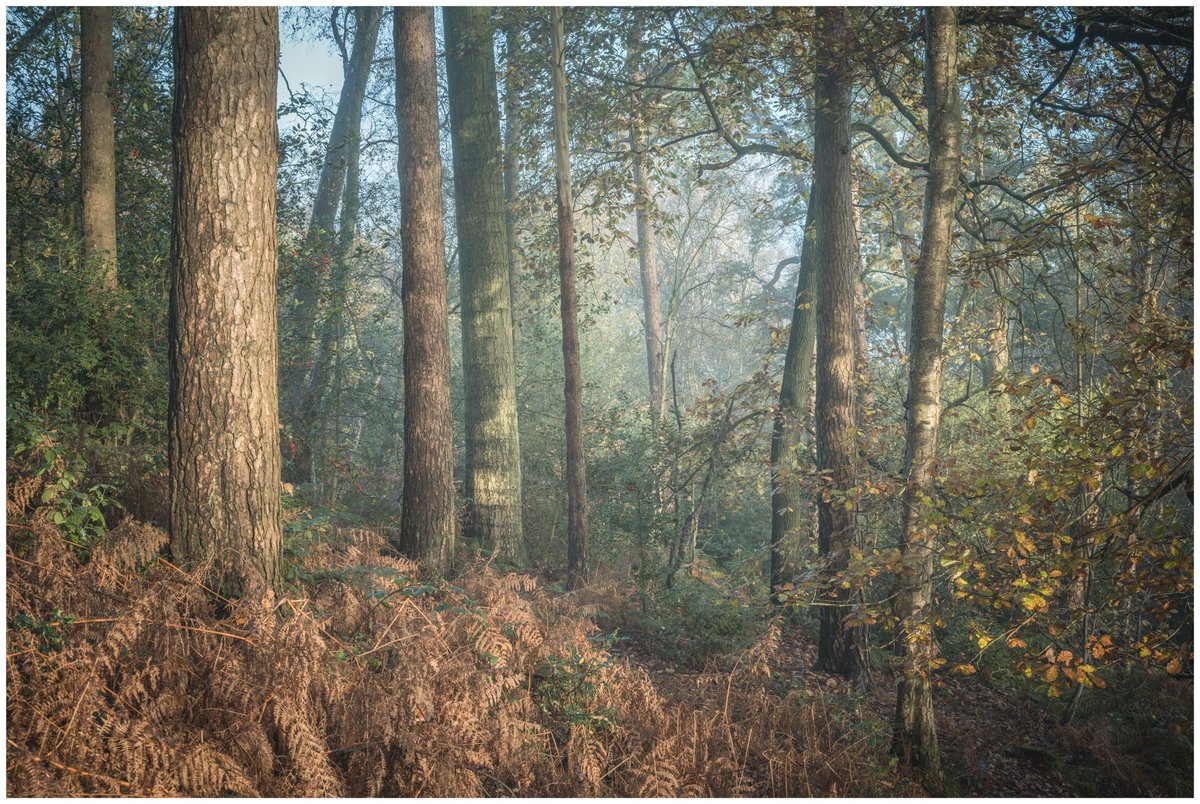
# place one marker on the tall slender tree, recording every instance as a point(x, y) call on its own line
point(795, 393)
point(493, 459)
point(303, 381)
point(577, 513)
point(647, 246)
point(98, 165)
point(914, 739)
point(223, 414)
point(840, 646)
point(427, 517)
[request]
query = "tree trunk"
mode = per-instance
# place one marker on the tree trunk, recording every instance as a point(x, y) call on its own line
point(223, 415)
point(577, 513)
point(512, 169)
point(840, 646)
point(427, 517)
point(794, 394)
point(646, 247)
point(320, 244)
point(914, 739)
point(493, 459)
point(98, 157)
point(995, 362)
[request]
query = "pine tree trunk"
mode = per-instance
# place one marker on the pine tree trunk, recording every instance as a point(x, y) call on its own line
point(577, 513)
point(305, 380)
point(427, 518)
point(787, 504)
point(223, 415)
point(98, 156)
point(914, 739)
point(493, 459)
point(840, 646)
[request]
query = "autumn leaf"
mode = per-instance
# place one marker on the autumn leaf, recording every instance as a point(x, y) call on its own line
point(1034, 602)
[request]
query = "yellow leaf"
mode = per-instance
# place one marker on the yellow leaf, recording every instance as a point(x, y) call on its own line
point(1034, 602)
point(984, 641)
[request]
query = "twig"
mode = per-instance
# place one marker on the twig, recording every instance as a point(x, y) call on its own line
point(61, 766)
point(209, 631)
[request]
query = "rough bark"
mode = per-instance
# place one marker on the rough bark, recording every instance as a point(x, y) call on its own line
point(787, 505)
point(98, 167)
point(320, 242)
point(223, 413)
point(577, 513)
point(427, 526)
point(493, 455)
point(840, 645)
point(647, 249)
point(914, 739)
point(335, 252)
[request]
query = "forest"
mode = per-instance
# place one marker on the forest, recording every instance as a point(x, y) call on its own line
point(599, 401)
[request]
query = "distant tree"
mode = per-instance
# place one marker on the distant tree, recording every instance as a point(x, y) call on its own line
point(493, 471)
point(223, 416)
point(428, 516)
point(795, 393)
point(98, 158)
point(577, 507)
point(308, 377)
point(647, 246)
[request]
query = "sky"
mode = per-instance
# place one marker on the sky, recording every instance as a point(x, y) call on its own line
point(315, 63)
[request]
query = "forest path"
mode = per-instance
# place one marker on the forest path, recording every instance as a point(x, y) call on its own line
point(989, 744)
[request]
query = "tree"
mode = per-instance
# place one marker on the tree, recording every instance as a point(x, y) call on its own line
point(914, 739)
point(647, 248)
point(493, 471)
point(794, 396)
point(223, 415)
point(840, 645)
point(577, 514)
point(427, 522)
point(98, 158)
point(314, 346)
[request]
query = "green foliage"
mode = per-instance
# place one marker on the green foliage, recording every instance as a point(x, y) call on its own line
point(565, 688)
point(81, 350)
point(75, 507)
point(695, 620)
point(48, 631)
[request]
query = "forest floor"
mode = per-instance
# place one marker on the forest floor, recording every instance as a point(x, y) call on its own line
point(129, 676)
point(985, 738)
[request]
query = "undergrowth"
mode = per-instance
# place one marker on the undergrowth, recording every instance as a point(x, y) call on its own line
point(127, 676)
